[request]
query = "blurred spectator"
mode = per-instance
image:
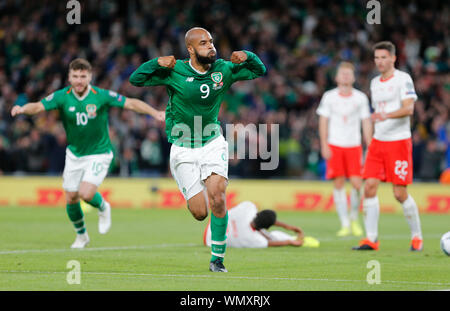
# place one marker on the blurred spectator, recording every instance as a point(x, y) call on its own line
point(430, 168)
point(151, 154)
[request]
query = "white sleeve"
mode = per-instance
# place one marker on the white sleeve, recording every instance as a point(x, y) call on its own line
point(277, 235)
point(407, 88)
point(258, 241)
point(324, 107)
point(365, 110)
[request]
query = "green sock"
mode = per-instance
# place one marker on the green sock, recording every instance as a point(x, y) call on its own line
point(76, 216)
point(218, 236)
point(98, 202)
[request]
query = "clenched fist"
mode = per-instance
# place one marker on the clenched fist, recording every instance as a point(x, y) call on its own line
point(16, 110)
point(378, 116)
point(238, 57)
point(160, 116)
point(167, 61)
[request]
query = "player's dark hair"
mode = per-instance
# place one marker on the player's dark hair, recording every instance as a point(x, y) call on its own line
point(265, 219)
point(385, 45)
point(80, 64)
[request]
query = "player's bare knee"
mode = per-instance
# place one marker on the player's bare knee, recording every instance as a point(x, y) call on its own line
point(339, 183)
point(356, 183)
point(200, 215)
point(370, 190)
point(72, 197)
point(218, 200)
point(86, 195)
point(400, 195)
point(199, 211)
point(219, 212)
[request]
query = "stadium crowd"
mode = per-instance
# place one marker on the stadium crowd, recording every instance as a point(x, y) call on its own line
point(300, 43)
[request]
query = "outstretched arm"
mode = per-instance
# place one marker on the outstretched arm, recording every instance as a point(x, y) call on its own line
point(247, 66)
point(28, 109)
point(292, 228)
point(285, 243)
point(139, 106)
point(153, 72)
point(270, 242)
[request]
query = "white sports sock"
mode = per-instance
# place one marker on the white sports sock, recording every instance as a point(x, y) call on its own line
point(355, 201)
point(371, 208)
point(412, 216)
point(340, 199)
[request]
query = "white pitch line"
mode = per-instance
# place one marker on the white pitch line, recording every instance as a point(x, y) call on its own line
point(62, 250)
point(225, 277)
point(112, 248)
point(381, 237)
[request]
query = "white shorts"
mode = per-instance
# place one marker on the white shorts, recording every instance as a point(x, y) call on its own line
point(191, 166)
point(91, 169)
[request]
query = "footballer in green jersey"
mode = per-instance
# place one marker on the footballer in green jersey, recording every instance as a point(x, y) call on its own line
point(83, 110)
point(199, 152)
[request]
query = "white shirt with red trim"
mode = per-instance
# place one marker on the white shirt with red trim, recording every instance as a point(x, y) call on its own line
point(387, 96)
point(344, 113)
point(239, 231)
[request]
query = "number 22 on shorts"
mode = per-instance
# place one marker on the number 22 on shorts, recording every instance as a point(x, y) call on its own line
point(401, 169)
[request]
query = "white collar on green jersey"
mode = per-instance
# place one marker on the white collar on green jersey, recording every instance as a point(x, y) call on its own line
point(199, 72)
point(84, 95)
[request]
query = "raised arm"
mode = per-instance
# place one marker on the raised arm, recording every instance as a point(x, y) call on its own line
point(139, 106)
point(28, 109)
point(247, 66)
point(154, 72)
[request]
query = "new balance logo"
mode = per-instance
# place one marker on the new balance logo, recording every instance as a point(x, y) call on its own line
point(189, 79)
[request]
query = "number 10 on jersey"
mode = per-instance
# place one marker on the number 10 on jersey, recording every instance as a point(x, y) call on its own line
point(82, 118)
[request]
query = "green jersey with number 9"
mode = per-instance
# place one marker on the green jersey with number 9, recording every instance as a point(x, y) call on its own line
point(85, 119)
point(195, 97)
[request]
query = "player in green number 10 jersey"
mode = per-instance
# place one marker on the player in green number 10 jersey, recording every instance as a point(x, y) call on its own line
point(84, 110)
point(199, 152)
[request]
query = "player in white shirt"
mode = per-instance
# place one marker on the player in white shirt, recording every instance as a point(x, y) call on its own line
point(389, 158)
point(247, 228)
point(341, 112)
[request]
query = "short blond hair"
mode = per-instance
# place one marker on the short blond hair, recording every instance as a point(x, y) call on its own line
point(346, 65)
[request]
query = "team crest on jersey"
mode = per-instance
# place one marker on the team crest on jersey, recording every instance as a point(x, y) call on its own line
point(91, 110)
point(217, 77)
point(50, 97)
point(112, 94)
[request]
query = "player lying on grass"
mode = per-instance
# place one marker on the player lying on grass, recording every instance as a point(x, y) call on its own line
point(248, 228)
point(199, 152)
point(83, 109)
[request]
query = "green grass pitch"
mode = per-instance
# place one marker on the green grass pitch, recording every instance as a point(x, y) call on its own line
point(156, 249)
